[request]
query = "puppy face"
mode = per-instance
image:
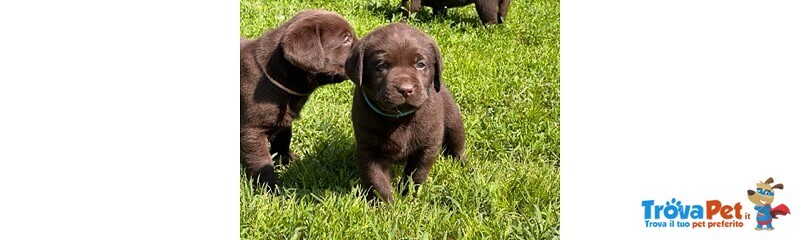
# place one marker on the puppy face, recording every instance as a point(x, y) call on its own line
point(319, 42)
point(397, 67)
point(764, 194)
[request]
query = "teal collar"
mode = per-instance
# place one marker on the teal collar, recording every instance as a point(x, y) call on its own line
point(375, 109)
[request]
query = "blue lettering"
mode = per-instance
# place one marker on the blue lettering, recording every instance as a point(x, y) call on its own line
point(697, 212)
point(671, 210)
point(646, 205)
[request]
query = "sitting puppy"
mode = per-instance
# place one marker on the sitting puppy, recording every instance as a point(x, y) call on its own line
point(277, 74)
point(402, 111)
point(490, 11)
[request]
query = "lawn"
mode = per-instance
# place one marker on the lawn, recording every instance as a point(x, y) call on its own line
point(505, 80)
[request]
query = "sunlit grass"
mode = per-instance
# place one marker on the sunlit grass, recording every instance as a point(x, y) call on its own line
point(505, 80)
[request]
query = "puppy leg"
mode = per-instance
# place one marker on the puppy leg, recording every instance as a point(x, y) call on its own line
point(454, 140)
point(454, 134)
point(418, 167)
point(407, 8)
point(440, 11)
point(412, 163)
point(404, 8)
point(280, 145)
point(501, 14)
point(375, 177)
point(255, 156)
point(487, 11)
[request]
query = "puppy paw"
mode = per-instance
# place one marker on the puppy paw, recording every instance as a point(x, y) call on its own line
point(284, 158)
point(266, 181)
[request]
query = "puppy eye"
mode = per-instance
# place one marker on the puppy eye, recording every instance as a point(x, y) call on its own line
point(382, 65)
point(420, 65)
point(347, 40)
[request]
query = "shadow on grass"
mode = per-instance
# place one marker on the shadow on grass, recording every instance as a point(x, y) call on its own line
point(329, 165)
point(391, 12)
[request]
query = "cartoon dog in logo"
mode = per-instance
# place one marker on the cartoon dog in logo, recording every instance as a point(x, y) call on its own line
point(762, 198)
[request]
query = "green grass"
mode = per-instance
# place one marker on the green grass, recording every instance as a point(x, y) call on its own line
point(505, 80)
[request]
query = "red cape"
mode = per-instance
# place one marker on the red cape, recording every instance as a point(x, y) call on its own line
point(779, 210)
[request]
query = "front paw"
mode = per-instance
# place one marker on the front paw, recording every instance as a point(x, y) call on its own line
point(284, 158)
point(404, 12)
point(265, 178)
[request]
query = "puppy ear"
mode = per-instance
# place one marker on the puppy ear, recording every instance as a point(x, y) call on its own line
point(769, 180)
point(354, 65)
point(302, 46)
point(437, 76)
point(778, 186)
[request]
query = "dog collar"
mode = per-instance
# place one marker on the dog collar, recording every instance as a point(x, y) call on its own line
point(376, 110)
point(285, 89)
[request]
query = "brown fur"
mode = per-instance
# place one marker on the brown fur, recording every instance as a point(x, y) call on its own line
point(400, 84)
point(302, 54)
point(244, 42)
point(490, 11)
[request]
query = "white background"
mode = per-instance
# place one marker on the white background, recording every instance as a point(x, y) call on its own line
point(118, 119)
point(696, 100)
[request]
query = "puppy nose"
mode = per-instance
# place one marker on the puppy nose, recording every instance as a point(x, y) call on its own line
point(750, 192)
point(405, 89)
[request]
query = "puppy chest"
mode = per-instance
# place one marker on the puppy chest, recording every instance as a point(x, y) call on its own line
point(399, 145)
point(394, 147)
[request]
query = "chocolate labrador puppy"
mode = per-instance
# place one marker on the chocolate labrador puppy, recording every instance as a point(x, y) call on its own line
point(402, 111)
point(490, 11)
point(277, 73)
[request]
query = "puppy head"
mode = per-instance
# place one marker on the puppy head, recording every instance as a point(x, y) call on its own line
point(765, 193)
point(397, 67)
point(319, 42)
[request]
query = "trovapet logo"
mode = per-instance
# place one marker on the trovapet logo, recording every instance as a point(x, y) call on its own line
point(715, 213)
point(711, 214)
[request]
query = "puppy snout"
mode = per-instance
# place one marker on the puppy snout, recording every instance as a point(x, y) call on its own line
point(405, 89)
point(750, 192)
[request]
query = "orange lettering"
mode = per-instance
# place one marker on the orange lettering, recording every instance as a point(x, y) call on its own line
point(712, 207)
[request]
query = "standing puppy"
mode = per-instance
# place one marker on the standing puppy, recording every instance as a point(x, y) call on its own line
point(402, 111)
point(490, 11)
point(277, 74)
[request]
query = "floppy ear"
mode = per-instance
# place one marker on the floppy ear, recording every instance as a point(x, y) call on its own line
point(769, 180)
point(302, 46)
point(778, 186)
point(437, 76)
point(354, 65)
